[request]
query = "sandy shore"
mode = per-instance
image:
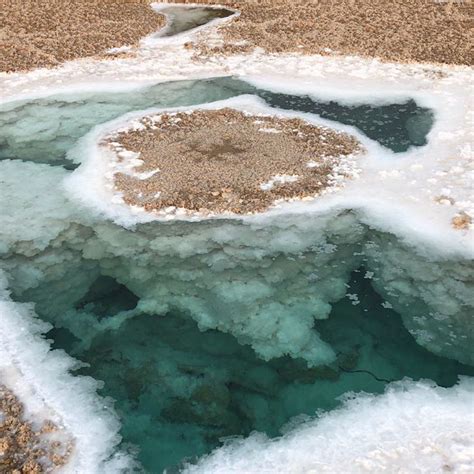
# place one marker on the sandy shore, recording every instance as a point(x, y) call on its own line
point(24, 447)
point(409, 31)
point(198, 161)
point(36, 34)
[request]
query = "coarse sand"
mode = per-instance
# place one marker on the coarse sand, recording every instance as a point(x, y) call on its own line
point(24, 447)
point(216, 161)
point(427, 31)
point(45, 33)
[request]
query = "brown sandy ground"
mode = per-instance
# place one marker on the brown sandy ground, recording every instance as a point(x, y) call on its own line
point(462, 221)
point(25, 449)
point(433, 31)
point(44, 33)
point(205, 165)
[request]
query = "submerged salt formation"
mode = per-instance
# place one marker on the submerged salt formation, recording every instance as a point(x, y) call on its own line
point(370, 434)
point(267, 294)
point(253, 313)
point(294, 265)
point(264, 279)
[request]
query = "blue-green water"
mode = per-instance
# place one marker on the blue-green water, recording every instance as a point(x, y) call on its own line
point(179, 391)
point(44, 130)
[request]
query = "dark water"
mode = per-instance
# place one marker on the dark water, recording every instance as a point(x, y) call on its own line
point(187, 18)
point(395, 126)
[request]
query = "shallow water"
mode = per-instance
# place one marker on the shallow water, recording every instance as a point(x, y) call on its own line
point(187, 18)
point(44, 130)
point(179, 390)
point(206, 330)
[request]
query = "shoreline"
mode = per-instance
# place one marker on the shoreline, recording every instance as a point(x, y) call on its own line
point(26, 445)
point(429, 32)
point(426, 31)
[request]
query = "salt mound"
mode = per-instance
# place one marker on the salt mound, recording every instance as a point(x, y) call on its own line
point(192, 162)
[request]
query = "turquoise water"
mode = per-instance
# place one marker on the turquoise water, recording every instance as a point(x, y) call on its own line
point(44, 130)
point(179, 391)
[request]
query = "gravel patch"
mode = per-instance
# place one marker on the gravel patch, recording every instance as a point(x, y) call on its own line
point(45, 33)
point(432, 31)
point(26, 446)
point(218, 161)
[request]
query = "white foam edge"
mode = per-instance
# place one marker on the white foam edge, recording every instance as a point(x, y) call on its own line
point(41, 380)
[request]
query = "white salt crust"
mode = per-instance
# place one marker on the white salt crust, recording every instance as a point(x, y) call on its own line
point(417, 428)
point(417, 193)
point(41, 380)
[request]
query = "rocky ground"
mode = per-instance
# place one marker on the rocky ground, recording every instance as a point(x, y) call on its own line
point(25, 448)
point(45, 33)
point(205, 166)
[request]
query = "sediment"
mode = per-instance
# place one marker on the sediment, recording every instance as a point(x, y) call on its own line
point(36, 34)
point(28, 447)
point(46, 33)
point(426, 31)
point(224, 160)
